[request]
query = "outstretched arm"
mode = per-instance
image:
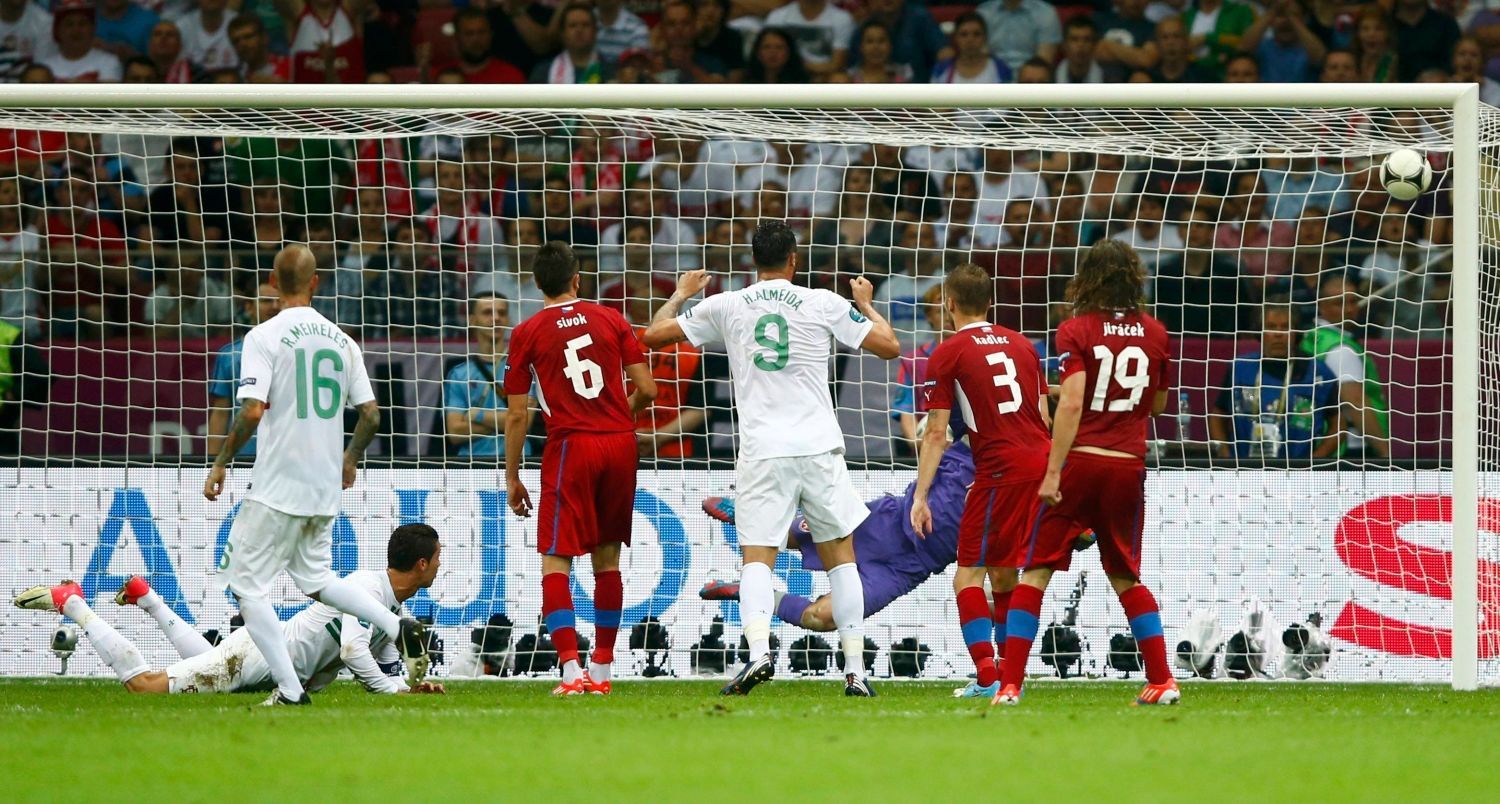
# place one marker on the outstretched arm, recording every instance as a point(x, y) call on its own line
point(244, 426)
point(929, 455)
point(664, 329)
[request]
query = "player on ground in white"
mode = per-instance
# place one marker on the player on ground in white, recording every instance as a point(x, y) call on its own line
point(778, 337)
point(321, 640)
point(297, 372)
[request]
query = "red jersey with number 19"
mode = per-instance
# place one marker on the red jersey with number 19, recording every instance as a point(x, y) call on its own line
point(1124, 357)
point(991, 377)
point(577, 353)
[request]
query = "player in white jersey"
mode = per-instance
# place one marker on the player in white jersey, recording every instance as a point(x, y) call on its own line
point(779, 337)
point(321, 640)
point(297, 372)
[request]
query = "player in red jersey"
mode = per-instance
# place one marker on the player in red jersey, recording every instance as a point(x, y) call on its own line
point(993, 377)
point(1114, 366)
point(579, 354)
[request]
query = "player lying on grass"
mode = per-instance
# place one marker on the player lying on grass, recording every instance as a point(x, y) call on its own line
point(322, 641)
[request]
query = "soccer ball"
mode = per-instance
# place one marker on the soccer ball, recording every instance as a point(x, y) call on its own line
point(1405, 174)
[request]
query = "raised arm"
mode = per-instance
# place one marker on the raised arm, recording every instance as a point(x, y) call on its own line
point(881, 341)
point(664, 329)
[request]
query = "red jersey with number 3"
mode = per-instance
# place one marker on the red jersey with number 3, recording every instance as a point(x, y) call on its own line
point(1124, 358)
point(992, 379)
point(577, 353)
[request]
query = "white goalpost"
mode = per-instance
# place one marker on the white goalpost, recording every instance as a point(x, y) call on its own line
point(152, 212)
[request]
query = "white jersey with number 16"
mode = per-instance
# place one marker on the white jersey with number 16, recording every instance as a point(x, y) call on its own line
point(306, 370)
point(779, 337)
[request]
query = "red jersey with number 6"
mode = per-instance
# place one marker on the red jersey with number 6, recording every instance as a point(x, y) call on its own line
point(577, 353)
point(992, 380)
point(1124, 357)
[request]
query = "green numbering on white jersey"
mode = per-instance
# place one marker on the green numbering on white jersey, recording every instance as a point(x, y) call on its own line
point(778, 345)
point(320, 384)
point(224, 559)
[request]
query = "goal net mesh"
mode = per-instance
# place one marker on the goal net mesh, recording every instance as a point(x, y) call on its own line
point(1302, 469)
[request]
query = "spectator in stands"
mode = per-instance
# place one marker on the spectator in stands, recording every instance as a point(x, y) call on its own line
point(1175, 65)
point(1242, 69)
point(856, 239)
point(1373, 45)
point(619, 30)
point(1021, 29)
point(423, 296)
point(1361, 389)
point(631, 285)
point(1399, 252)
point(1310, 261)
point(89, 279)
point(972, 62)
point(1004, 179)
point(579, 61)
point(716, 38)
point(559, 222)
point(1468, 67)
point(252, 46)
point(189, 209)
point(1127, 40)
point(1214, 31)
point(916, 40)
point(1294, 184)
point(458, 221)
point(680, 58)
point(670, 428)
point(774, 60)
point(76, 60)
point(1262, 245)
point(1424, 38)
point(122, 27)
point(1288, 51)
point(164, 49)
point(916, 267)
point(911, 374)
point(822, 32)
point(25, 37)
point(21, 269)
point(1078, 65)
point(1340, 66)
point(726, 255)
point(474, 38)
point(1196, 292)
point(224, 380)
point(522, 31)
point(1151, 237)
point(327, 41)
point(955, 229)
point(473, 407)
point(1280, 402)
point(872, 61)
point(512, 279)
point(205, 36)
point(186, 302)
point(1034, 71)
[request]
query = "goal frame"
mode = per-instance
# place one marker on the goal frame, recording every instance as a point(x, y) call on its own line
point(1461, 99)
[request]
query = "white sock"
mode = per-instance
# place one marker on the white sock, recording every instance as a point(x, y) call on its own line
point(350, 599)
point(189, 643)
point(849, 615)
point(116, 651)
point(599, 672)
point(265, 630)
point(571, 671)
point(757, 600)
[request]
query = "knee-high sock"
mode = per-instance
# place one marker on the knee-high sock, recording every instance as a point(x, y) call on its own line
point(1020, 631)
point(116, 651)
point(350, 599)
point(609, 598)
point(265, 630)
point(849, 615)
point(1002, 609)
point(557, 612)
point(756, 598)
point(189, 643)
point(974, 620)
point(1145, 624)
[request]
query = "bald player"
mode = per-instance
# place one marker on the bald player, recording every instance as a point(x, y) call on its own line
point(297, 373)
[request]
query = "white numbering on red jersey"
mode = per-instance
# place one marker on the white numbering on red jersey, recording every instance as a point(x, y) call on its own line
point(587, 377)
point(1006, 378)
point(1130, 369)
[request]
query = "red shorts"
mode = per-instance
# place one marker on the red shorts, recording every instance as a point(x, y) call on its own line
point(588, 493)
point(996, 523)
point(1102, 492)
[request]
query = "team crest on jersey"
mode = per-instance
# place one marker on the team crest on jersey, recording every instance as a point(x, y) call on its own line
point(856, 316)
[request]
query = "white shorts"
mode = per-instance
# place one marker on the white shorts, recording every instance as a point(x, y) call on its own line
point(234, 665)
point(264, 541)
point(769, 491)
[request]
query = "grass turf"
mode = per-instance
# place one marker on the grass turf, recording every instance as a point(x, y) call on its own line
point(673, 741)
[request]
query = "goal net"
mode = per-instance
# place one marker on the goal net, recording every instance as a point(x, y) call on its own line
point(1321, 449)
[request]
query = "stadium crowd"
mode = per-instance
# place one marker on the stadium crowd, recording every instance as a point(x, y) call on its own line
point(111, 235)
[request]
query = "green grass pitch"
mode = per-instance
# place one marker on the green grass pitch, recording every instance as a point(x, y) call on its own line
point(678, 741)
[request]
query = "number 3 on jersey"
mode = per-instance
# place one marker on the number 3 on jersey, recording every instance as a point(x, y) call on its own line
point(1006, 378)
point(585, 374)
point(1130, 369)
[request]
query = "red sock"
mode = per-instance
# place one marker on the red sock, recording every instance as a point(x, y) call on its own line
point(1020, 631)
point(974, 619)
point(1002, 609)
point(609, 598)
point(557, 613)
point(1145, 624)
